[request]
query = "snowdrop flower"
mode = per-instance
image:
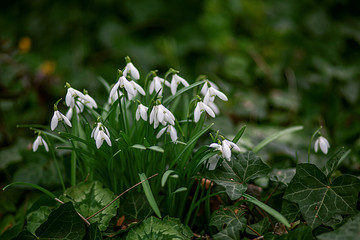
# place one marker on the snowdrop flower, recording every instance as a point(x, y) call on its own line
point(114, 97)
point(212, 93)
point(205, 87)
point(213, 106)
point(122, 83)
point(169, 129)
point(58, 116)
point(160, 114)
point(71, 95)
point(225, 148)
point(323, 143)
point(39, 141)
point(101, 133)
point(200, 108)
point(157, 85)
point(137, 88)
point(141, 111)
point(175, 81)
point(88, 101)
point(79, 107)
point(131, 69)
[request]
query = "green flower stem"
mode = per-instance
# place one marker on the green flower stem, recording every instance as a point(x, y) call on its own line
point(312, 137)
point(51, 147)
point(192, 206)
point(73, 160)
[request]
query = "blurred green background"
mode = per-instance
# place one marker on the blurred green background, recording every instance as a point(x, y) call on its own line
point(281, 63)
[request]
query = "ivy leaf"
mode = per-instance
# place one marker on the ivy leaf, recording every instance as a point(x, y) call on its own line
point(260, 227)
point(234, 175)
point(135, 206)
point(228, 217)
point(348, 231)
point(90, 197)
point(282, 175)
point(334, 161)
point(229, 221)
point(25, 235)
point(63, 223)
point(154, 228)
point(290, 210)
point(93, 232)
point(36, 218)
point(319, 200)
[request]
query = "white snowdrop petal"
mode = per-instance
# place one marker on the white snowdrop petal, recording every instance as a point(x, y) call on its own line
point(114, 90)
point(161, 132)
point(173, 133)
point(107, 139)
point(173, 86)
point(66, 120)
point(69, 113)
point(45, 144)
point(99, 141)
point(316, 145)
point(197, 113)
point(54, 121)
point(209, 110)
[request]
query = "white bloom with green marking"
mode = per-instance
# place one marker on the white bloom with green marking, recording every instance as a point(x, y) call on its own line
point(225, 148)
point(132, 70)
point(200, 108)
point(58, 116)
point(141, 111)
point(39, 141)
point(170, 130)
point(323, 143)
point(175, 81)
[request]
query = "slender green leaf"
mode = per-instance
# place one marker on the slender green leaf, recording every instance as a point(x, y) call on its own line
point(239, 134)
point(156, 149)
point(138, 146)
point(149, 195)
point(47, 192)
point(268, 209)
point(168, 100)
point(104, 82)
point(334, 161)
point(275, 136)
point(165, 177)
point(181, 189)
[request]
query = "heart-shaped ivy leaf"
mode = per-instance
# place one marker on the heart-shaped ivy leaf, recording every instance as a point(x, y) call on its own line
point(319, 200)
point(350, 230)
point(90, 197)
point(62, 223)
point(235, 174)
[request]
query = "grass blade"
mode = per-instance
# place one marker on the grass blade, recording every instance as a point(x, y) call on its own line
point(275, 136)
point(267, 209)
point(149, 195)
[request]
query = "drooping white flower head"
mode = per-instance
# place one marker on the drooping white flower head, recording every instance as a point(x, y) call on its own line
point(205, 87)
point(137, 88)
point(212, 93)
point(39, 141)
point(71, 95)
point(141, 111)
point(131, 69)
point(157, 85)
point(79, 107)
point(323, 143)
point(225, 148)
point(213, 106)
point(160, 114)
point(175, 81)
point(58, 116)
point(122, 83)
point(200, 108)
point(169, 129)
point(114, 97)
point(101, 133)
point(89, 101)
